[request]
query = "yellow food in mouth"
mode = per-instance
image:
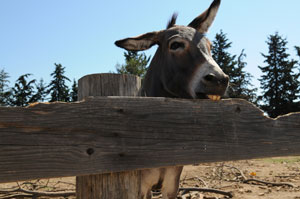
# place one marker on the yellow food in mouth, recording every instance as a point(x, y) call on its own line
point(214, 97)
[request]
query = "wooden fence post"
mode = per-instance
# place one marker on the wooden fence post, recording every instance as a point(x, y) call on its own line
point(122, 185)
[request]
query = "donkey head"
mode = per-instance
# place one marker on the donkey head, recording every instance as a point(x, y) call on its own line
point(182, 66)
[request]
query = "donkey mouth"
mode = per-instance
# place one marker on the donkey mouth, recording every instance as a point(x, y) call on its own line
point(214, 97)
point(206, 96)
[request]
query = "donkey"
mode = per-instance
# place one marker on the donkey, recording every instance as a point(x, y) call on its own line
point(182, 67)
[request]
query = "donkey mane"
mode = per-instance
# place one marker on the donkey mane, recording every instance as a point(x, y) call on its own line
point(172, 21)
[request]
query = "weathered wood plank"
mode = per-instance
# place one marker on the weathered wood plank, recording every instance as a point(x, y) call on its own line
point(108, 84)
point(109, 134)
point(113, 185)
point(117, 185)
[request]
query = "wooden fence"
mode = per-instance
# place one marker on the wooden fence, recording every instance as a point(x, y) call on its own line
point(113, 134)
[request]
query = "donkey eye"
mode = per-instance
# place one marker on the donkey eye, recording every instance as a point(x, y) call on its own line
point(175, 45)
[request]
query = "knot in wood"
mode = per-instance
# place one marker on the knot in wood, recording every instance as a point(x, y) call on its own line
point(90, 151)
point(238, 109)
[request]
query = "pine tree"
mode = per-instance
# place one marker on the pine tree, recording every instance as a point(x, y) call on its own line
point(297, 105)
point(298, 54)
point(58, 89)
point(298, 50)
point(243, 87)
point(74, 92)
point(240, 81)
point(41, 91)
point(4, 91)
point(135, 64)
point(23, 91)
point(279, 83)
point(220, 54)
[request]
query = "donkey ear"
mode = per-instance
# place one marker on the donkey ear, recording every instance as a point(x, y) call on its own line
point(142, 42)
point(204, 21)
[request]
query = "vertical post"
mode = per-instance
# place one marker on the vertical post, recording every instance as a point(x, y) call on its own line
point(122, 185)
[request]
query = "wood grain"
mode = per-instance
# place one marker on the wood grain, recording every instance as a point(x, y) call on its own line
point(110, 134)
point(117, 185)
point(107, 84)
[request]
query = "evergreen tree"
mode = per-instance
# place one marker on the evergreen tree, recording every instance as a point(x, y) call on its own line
point(243, 87)
point(74, 92)
point(279, 83)
point(239, 79)
point(41, 91)
point(23, 91)
point(298, 50)
point(298, 54)
point(220, 54)
point(58, 89)
point(297, 105)
point(4, 92)
point(135, 64)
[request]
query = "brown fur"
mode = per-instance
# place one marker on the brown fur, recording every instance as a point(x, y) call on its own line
point(203, 21)
point(172, 22)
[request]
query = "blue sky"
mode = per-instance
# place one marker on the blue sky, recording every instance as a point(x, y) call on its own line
point(80, 35)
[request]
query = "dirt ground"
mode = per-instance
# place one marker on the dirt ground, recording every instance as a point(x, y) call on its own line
point(225, 176)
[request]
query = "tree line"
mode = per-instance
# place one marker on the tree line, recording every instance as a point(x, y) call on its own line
point(280, 84)
point(27, 90)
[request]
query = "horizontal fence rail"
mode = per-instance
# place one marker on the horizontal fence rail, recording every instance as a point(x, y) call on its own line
point(111, 134)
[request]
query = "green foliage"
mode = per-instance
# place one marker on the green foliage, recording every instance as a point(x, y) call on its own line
point(41, 91)
point(279, 81)
point(58, 89)
point(298, 54)
point(23, 91)
point(74, 92)
point(280, 160)
point(135, 64)
point(4, 91)
point(240, 81)
point(298, 50)
point(220, 54)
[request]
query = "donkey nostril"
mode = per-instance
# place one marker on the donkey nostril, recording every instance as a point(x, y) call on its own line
point(209, 77)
